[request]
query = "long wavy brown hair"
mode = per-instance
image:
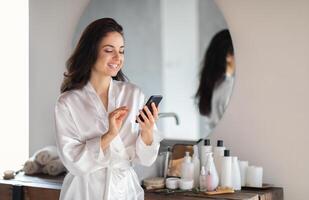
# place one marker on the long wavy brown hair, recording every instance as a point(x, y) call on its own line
point(82, 60)
point(214, 69)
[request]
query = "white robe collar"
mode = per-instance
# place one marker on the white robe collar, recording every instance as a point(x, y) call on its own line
point(112, 97)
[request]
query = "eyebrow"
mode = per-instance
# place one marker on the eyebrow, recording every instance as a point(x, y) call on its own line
point(108, 45)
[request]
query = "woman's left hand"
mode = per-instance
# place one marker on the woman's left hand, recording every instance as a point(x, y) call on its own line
point(148, 124)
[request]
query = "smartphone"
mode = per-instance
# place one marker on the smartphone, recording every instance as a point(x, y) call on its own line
point(155, 99)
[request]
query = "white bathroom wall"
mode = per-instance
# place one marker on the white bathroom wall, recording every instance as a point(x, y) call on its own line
point(267, 119)
point(51, 29)
point(14, 96)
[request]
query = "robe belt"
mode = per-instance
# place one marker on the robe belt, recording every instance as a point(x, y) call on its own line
point(117, 170)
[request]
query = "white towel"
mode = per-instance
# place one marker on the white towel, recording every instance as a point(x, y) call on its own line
point(54, 167)
point(46, 154)
point(32, 167)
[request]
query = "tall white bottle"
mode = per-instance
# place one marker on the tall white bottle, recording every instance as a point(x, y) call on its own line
point(187, 168)
point(218, 155)
point(236, 178)
point(196, 164)
point(212, 177)
point(205, 150)
point(226, 170)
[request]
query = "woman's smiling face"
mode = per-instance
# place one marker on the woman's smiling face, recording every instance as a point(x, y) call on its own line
point(110, 55)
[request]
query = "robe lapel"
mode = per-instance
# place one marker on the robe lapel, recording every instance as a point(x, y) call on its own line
point(116, 145)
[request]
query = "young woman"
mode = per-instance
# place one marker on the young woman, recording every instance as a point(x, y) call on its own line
point(96, 133)
point(216, 80)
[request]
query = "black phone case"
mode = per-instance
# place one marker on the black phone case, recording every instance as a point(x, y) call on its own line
point(154, 98)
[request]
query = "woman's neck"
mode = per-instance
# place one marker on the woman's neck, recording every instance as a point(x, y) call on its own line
point(100, 83)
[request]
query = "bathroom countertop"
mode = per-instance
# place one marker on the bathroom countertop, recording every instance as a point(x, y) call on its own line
point(38, 180)
point(273, 193)
point(48, 188)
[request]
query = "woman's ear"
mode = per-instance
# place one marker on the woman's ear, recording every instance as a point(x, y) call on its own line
point(230, 64)
point(229, 59)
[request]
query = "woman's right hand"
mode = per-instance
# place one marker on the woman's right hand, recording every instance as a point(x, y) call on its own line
point(116, 119)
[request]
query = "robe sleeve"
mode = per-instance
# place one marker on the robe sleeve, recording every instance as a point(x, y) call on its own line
point(147, 154)
point(79, 156)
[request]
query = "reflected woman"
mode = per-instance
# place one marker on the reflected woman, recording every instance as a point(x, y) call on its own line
point(96, 134)
point(216, 80)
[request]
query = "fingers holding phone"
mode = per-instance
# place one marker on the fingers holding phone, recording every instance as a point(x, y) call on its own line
point(148, 116)
point(152, 115)
point(149, 107)
point(155, 111)
point(145, 119)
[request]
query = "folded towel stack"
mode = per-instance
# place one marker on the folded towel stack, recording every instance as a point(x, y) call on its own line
point(54, 167)
point(45, 160)
point(32, 167)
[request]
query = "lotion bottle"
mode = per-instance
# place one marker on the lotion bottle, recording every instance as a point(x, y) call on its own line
point(236, 178)
point(197, 169)
point(226, 170)
point(218, 155)
point(187, 168)
point(205, 149)
point(212, 178)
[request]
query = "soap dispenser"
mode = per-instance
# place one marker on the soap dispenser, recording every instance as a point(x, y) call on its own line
point(226, 170)
point(212, 177)
point(205, 149)
point(196, 164)
point(218, 155)
point(187, 168)
point(236, 178)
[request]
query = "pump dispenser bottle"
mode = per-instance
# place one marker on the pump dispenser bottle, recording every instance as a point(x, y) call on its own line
point(205, 149)
point(187, 168)
point(226, 170)
point(211, 174)
point(218, 155)
point(236, 178)
point(196, 164)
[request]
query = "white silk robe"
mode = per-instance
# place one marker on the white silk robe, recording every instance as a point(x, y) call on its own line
point(94, 174)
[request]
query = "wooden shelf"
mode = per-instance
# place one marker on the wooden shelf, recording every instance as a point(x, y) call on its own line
point(39, 187)
point(273, 193)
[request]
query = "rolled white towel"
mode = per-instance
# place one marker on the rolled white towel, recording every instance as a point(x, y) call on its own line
point(46, 154)
point(54, 167)
point(32, 167)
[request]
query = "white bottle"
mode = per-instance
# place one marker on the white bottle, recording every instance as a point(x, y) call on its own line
point(218, 155)
point(236, 178)
point(243, 165)
point(196, 164)
point(205, 149)
point(212, 177)
point(203, 182)
point(226, 170)
point(187, 168)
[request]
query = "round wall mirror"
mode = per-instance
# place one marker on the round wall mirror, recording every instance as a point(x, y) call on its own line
point(165, 48)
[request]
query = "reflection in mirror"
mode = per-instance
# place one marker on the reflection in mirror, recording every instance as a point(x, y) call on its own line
point(165, 46)
point(216, 80)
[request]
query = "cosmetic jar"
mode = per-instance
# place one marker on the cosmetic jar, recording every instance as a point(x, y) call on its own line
point(186, 184)
point(154, 183)
point(172, 183)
